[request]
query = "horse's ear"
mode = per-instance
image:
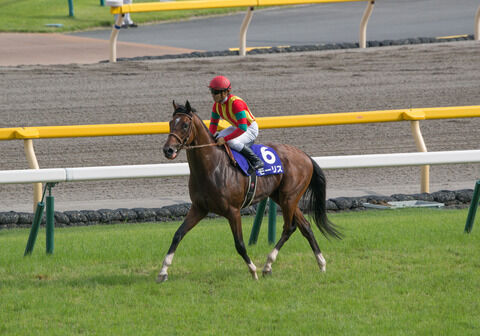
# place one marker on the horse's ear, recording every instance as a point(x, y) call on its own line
point(175, 106)
point(188, 107)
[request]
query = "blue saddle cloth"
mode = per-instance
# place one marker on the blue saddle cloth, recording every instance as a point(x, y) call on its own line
point(272, 163)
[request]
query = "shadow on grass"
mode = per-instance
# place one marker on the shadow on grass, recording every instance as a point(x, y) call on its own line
point(216, 275)
point(109, 280)
point(55, 17)
point(12, 2)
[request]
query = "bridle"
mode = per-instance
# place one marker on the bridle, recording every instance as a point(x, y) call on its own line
point(183, 142)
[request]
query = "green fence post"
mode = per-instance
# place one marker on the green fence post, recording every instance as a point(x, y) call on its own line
point(272, 221)
point(70, 8)
point(473, 208)
point(34, 230)
point(50, 221)
point(257, 222)
point(102, 3)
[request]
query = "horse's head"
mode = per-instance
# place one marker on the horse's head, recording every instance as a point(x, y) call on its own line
point(180, 130)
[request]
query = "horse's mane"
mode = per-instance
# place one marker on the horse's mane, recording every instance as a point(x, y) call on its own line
point(181, 109)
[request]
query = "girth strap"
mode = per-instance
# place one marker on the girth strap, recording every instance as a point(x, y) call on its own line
point(251, 190)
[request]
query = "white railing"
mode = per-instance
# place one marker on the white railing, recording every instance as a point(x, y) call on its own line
point(181, 169)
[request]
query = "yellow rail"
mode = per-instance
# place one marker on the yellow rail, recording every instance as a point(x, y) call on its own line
point(44, 132)
point(208, 4)
point(308, 120)
point(180, 5)
point(412, 115)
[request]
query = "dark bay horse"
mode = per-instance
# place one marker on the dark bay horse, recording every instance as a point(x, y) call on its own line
point(217, 186)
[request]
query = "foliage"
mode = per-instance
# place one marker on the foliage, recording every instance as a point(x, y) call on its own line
point(398, 272)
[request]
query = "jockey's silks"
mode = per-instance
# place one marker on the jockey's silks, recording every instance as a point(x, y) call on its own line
point(236, 112)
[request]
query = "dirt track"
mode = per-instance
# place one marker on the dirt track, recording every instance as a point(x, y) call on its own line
point(285, 84)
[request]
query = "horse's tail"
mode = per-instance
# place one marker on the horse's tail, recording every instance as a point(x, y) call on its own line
point(316, 203)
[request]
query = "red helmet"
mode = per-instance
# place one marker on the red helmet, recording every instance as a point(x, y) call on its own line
point(220, 83)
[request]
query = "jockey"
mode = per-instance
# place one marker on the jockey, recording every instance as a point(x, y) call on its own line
point(244, 130)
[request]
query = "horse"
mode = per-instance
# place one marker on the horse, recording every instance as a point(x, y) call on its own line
point(216, 186)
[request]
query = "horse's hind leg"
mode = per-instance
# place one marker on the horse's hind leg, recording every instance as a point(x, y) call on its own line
point(193, 217)
point(235, 221)
point(306, 230)
point(289, 227)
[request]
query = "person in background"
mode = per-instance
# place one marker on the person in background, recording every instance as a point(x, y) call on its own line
point(244, 130)
point(127, 20)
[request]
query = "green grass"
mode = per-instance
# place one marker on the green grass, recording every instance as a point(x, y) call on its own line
point(402, 272)
point(33, 15)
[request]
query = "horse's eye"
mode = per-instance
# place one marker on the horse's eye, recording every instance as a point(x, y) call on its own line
point(185, 126)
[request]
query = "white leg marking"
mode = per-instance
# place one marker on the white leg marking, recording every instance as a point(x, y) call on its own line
point(267, 269)
point(253, 270)
point(166, 263)
point(321, 262)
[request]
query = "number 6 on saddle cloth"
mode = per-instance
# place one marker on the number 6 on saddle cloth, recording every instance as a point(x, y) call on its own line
point(272, 163)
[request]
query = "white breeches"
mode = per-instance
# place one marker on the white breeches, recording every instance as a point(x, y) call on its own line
point(126, 18)
point(246, 138)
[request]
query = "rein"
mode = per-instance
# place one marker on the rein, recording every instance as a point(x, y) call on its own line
point(199, 146)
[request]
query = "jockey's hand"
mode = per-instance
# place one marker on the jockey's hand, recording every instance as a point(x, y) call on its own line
point(221, 141)
point(216, 135)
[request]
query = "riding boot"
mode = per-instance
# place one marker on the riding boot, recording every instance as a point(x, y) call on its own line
point(252, 159)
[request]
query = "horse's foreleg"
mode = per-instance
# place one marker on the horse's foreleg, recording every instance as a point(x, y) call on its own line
point(289, 227)
point(192, 218)
point(306, 230)
point(236, 226)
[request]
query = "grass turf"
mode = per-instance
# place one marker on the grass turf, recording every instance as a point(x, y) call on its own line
point(401, 272)
point(35, 15)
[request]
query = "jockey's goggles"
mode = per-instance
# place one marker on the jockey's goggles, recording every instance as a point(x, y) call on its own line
point(215, 91)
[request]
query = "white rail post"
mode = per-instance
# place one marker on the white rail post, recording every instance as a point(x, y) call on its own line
point(477, 24)
point(243, 32)
point(362, 42)
point(113, 38)
point(33, 164)
point(417, 135)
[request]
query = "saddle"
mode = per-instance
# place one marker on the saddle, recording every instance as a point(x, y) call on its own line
point(272, 165)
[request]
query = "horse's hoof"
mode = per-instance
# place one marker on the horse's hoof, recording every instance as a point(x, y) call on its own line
point(254, 276)
point(162, 278)
point(267, 273)
point(321, 262)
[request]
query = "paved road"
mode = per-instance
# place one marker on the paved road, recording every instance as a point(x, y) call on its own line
point(46, 49)
point(298, 25)
point(310, 24)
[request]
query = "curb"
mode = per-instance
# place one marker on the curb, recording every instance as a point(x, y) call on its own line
point(313, 47)
point(452, 199)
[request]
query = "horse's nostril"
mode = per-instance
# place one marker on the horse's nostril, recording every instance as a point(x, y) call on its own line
point(168, 151)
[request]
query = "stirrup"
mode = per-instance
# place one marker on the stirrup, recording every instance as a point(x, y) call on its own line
point(259, 164)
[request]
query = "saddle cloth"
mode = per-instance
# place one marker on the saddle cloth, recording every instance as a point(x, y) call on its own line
point(272, 163)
